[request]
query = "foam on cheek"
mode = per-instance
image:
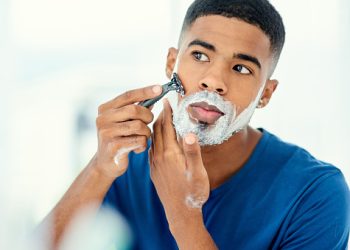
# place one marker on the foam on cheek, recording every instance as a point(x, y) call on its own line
point(225, 126)
point(121, 152)
point(244, 117)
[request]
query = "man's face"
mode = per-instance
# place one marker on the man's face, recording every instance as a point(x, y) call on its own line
point(226, 56)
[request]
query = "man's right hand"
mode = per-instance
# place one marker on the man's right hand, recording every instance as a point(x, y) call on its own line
point(122, 127)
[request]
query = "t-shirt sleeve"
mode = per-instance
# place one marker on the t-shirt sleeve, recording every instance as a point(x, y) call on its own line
point(321, 219)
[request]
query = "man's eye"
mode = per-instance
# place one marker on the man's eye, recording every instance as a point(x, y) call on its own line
point(241, 69)
point(200, 56)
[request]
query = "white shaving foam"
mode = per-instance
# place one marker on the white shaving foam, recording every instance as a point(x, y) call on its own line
point(188, 175)
point(123, 151)
point(225, 126)
point(193, 202)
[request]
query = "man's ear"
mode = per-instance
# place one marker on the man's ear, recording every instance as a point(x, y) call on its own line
point(270, 87)
point(171, 61)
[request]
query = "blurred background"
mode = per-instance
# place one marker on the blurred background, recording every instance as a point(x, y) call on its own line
point(60, 59)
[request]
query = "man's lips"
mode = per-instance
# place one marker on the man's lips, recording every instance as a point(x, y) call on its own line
point(204, 113)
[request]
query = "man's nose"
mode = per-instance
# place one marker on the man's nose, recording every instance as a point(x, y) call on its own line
point(214, 81)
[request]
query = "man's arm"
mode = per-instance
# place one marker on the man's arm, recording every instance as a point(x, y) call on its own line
point(192, 233)
point(182, 183)
point(89, 188)
point(122, 128)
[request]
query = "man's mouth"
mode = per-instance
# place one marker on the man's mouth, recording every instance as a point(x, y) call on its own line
point(204, 113)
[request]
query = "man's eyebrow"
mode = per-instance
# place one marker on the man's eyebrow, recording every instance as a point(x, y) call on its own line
point(248, 58)
point(203, 44)
point(238, 55)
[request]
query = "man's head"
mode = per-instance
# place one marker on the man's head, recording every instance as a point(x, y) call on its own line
point(228, 48)
point(256, 12)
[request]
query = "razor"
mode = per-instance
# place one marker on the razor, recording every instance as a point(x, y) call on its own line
point(175, 84)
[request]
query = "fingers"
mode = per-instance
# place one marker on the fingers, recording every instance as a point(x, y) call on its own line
point(134, 127)
point(132, 96)
point(192, 153)
point(123, 146)
point(157, 138)
point(168, 131)
point(126, 113)
point(122, 127)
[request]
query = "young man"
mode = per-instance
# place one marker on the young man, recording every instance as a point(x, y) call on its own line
point(207, 180)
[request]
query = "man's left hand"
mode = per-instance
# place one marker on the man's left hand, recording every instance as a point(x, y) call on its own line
point(178, 173)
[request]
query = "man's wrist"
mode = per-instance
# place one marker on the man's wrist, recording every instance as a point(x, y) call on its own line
point(99, 172)
point(190, 220)
point(191, 233)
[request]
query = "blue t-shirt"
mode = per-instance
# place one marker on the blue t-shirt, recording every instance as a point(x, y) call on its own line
point(282, 198)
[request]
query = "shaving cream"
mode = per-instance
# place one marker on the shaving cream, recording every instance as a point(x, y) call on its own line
point(121, 152)
point(226, 126)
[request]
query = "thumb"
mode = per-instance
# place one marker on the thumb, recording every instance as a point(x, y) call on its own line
point(192, 153)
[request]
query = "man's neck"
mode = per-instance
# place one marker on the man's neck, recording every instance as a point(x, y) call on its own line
point(224, 160)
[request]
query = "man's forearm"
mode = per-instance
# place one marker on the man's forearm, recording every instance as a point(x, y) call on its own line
point(192, 234)
point(89, 188)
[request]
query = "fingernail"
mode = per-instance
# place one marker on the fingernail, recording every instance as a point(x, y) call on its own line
point(157, 89)
point(190, 139)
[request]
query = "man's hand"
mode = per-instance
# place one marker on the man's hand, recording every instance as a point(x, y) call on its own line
point(122, 127)
point(177, 172)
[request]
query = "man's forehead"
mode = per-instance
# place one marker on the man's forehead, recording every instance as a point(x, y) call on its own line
point(228, 33)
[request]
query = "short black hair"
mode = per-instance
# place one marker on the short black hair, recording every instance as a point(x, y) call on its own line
point(256, 12)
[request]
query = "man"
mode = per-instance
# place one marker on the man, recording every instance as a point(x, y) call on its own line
point(206, 179)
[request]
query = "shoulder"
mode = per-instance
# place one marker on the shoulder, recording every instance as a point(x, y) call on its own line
point(316, 193)
point(319, 216)
point(300, 171)
point(294, 173)
point(294, 159)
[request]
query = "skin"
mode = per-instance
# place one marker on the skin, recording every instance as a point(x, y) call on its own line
point(201, 68)
point(122, 124)
point(221, 75)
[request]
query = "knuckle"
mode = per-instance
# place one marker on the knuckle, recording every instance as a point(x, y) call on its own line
point(150, 117)
point(99, 122)
point(134, 140)
point(143, 141)
point(148, 133)
point(146, 91)
point(138, 125)
point(146, 114)
point(128, 94)
point(125, 126)
point(133, 110)
point(191, 152)
point(101, 108)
